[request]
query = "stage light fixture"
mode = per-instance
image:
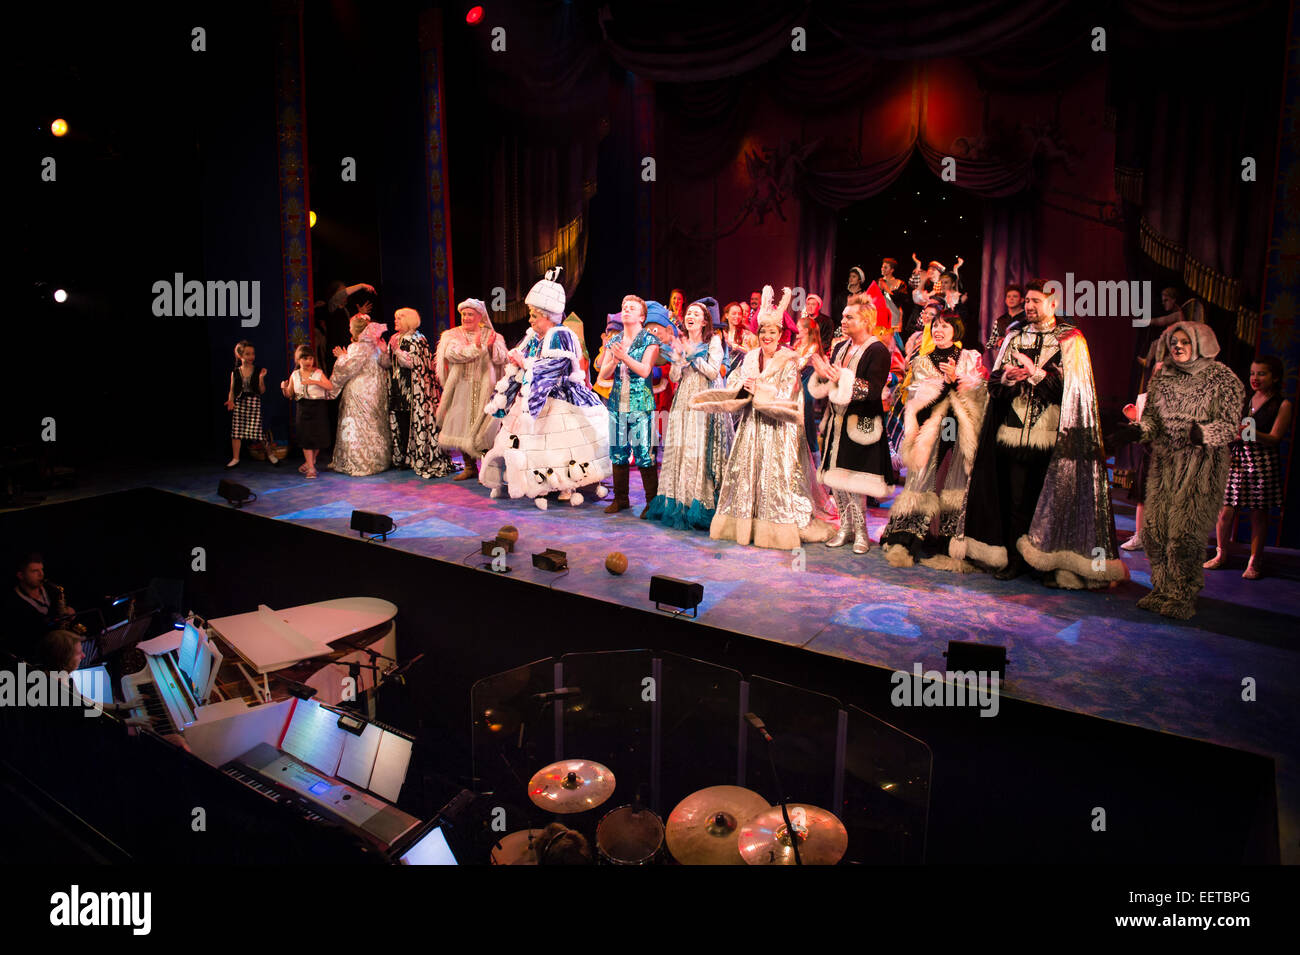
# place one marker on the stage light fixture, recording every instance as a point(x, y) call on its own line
point(60, 295)
point(59, 127)
point(552, 560)
point(235, 494)
point(377, 525)
point(682, 595)
point(311, 219)
point(475, 15)
point(988, 657)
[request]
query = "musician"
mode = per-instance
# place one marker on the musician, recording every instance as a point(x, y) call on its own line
point(31, 608)
point(60, 651)
point(560, 845)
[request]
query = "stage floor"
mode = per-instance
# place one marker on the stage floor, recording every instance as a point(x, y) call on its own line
point(1088, 652)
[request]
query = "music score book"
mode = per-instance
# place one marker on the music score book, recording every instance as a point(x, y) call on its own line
point(376, 760)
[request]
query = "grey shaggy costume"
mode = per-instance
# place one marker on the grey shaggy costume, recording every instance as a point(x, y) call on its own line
point(1186, 481)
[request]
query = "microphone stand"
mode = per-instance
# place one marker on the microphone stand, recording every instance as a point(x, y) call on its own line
point(785, 812)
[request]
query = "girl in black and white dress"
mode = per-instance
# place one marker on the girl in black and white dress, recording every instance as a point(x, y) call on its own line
point(309, 387)
point(1255, 476)
point(244, 399)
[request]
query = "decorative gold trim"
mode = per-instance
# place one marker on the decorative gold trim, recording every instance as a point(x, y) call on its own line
point(1161, 250)
point(1211, 285)
point(1129, 182)
point(1247, 325)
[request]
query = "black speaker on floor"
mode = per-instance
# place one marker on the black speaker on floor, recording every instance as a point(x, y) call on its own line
point(964, 655)
point(682, 594)
point(235, 494)
point(368, 522)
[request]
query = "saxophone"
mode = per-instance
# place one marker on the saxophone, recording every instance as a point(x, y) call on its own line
point(60, 609)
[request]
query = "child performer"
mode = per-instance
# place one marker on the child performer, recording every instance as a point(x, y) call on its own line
point(1255, 476)
point(630, 358)
point(696, 443)
point(247, 385)
point(310, 388)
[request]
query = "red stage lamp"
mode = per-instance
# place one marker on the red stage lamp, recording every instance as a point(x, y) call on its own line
point(474, 16)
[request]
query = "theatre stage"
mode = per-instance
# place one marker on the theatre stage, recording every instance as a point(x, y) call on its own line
point(1088, 652)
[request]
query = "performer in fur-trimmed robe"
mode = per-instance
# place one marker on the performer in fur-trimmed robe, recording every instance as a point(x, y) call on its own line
point(855, 452)
point(555, 430)
point(768, 497)
point(413, 395)
point(1039, 493)
point(471, 357)
point(947, 386)
point(1191, 418)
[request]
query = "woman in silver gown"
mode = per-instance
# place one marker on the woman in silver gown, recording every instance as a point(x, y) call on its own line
point(364, 444)
point(767, 498)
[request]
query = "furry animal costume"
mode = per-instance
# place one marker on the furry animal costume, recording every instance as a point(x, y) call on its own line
point(1187, 478)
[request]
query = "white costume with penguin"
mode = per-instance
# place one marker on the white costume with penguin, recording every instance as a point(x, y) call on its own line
point(554, 434)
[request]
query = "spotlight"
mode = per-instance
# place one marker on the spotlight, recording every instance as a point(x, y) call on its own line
point(235, 494)
point(59, 127)
point(681, 594)
point(377, 525)
point(311, 219)
point(965, 655)
point(60, 295)
point(475, 15)
point(553, 560)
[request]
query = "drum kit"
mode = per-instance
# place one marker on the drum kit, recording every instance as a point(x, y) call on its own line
point(719, 825)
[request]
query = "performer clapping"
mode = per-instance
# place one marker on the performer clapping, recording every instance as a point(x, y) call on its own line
point(855, 455)
point(941, 426)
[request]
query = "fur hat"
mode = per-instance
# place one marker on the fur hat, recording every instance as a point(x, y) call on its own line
point(710, 306)
point(657, 314)
point(548, 295)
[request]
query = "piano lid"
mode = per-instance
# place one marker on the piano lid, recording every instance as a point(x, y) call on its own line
point(270, 640)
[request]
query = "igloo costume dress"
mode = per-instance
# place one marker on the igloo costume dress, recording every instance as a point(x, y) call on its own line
point(554, 434)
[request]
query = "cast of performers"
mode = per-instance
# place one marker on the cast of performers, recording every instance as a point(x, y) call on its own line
point(630, 357)
point(696, 443)
point(855, 455)
point(554, 434)
point(767, 498)
point(309, 387)
point(471, 359)
point(1039, 493)
point(1190, 421)
point(941, 427)
point(413, 394)
point(364, 444)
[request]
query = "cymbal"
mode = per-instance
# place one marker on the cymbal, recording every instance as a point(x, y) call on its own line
point(764, 840)
point(702, 829)
point(571, 785)
point(516, 848)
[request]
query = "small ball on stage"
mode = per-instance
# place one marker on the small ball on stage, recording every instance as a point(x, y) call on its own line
point(510, 533)
point(616, 563)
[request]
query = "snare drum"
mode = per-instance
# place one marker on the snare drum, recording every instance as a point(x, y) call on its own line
point(630, 835)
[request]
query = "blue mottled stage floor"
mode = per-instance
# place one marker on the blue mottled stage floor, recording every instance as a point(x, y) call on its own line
point(1093, 653)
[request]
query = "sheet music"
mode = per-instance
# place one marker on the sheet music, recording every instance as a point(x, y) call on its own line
point(391, 763)
point(186, 656)
point(358, 760)
point(314, 737)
